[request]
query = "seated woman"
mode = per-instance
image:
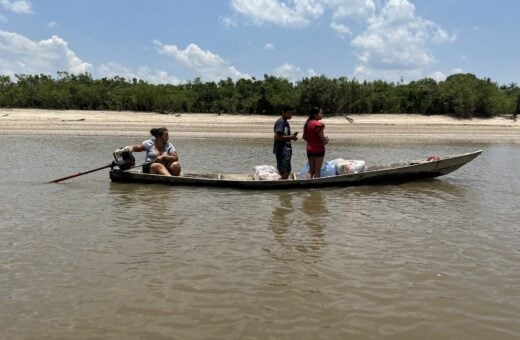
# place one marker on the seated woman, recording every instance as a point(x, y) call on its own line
point(161, 157)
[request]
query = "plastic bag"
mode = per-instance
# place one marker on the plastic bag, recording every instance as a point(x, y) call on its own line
point(329, 168)
point(350, 166)
point(303, 171)
point(266, 173)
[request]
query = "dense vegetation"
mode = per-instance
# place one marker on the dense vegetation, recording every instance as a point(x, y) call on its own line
point(460, 95)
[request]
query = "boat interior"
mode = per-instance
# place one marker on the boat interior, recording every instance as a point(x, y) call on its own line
point(293, 176)
point(231, 177)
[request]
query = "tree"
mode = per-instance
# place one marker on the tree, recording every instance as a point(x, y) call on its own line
point(318, 91)
point(6, 87)
point(460, 95)
point(248, 95)
point(228, 100)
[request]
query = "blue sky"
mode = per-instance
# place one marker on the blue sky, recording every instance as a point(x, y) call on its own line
point(174, 41)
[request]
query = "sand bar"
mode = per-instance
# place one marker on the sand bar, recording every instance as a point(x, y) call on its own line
point(364, 128)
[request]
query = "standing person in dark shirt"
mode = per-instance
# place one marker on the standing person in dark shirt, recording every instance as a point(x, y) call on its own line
point(282, 142)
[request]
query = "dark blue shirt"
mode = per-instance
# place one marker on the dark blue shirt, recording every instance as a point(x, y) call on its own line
point(282, 127)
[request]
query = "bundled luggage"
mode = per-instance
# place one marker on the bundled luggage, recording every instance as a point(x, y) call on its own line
point(266, 173)
point(338, 166)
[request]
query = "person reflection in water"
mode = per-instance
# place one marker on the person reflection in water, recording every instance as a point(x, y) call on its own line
point(314, 207)
point(281, 214)
point(285, 215)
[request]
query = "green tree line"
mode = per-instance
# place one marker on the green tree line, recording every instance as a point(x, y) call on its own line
point(460, 95)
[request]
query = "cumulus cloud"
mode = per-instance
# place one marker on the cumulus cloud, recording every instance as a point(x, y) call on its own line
point(287, 71)
point(209, 66)
point(145, 73)
point(269, 46)
point(395, 43)
point(390, 40)
point(227, 22)
point(438, 76)
point(292, 72)
point(341, 29)
point(297, 13)
point(17, 6)
point(457, 71)
point(348, 13)
point(21, 55)
point(351, 8)
point(292, 13)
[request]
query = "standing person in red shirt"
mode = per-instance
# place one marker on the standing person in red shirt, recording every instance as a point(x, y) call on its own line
point(313, 134)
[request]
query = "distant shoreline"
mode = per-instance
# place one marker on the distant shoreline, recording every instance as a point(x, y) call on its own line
point(364, 128)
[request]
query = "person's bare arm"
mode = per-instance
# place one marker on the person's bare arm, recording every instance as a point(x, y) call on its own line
point(321, 134)
point(136, 148)
point(278, 136)
point(170, 157)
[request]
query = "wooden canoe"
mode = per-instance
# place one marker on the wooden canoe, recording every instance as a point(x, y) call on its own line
point(379, 174)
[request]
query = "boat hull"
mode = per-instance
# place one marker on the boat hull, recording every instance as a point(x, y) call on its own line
point(393, 173)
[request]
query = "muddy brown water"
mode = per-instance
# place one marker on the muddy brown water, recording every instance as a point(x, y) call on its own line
point(91, 259)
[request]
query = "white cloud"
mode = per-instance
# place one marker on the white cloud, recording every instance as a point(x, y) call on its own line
point(157, 76)
point(457, 71)
point(227, 22)
point(296, 13)
point(393, 75)
point(311, 73)
point(113, 69)
point(438, 76)
point(269, 46)
point(341, 29)
point(52, 24)
point(351, 8)
point(440, 36)
point(389, 38)
point(293, 13)
point(291, 72)
point(287, 71)
point(395, 42)
point(17, 6)
point(209, 66)
point(21, 55)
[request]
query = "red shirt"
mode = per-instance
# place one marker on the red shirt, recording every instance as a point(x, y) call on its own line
point(312, 137)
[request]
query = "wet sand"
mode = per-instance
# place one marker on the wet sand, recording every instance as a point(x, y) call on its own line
point(360, 127)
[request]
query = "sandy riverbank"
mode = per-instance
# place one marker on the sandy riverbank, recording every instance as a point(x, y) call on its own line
point(366, 127)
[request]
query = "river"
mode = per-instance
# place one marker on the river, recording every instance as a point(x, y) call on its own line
point(91, 259)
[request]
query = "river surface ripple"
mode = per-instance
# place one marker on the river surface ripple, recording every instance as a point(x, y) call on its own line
point(87, 258)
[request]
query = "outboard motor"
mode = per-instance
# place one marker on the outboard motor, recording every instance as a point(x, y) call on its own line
point(123, 158)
